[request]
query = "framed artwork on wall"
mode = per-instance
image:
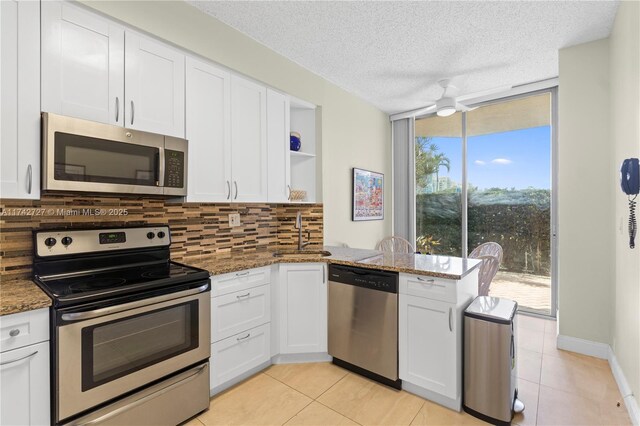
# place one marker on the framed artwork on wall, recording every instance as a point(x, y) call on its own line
point(368, 195)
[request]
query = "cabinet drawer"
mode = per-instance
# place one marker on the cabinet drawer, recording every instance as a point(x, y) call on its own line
point(25, 328)
point(429, 287)
point(236, 312)
point(241, 280)
point(239, 353)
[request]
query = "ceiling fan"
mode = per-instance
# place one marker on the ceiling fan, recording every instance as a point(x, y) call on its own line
point(450, 102)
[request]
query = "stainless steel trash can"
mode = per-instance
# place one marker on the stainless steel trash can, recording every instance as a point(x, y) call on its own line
point(490, 368)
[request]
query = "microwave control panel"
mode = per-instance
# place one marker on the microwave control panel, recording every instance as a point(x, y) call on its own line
point(173, 169)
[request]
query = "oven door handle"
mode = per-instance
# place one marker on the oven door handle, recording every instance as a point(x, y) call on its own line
point(78, 316)
point(196, 372)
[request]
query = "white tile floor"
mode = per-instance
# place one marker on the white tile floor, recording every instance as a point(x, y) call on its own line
point(558, 388)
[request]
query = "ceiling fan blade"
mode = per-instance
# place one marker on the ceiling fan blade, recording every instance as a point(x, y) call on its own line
point(483, 93)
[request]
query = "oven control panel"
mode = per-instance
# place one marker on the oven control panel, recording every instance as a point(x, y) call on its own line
point(70, 241)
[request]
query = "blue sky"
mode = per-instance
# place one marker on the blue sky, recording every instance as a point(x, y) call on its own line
point(520, 158)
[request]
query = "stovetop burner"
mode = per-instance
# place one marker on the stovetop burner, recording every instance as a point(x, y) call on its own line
point(94, 284)
point(108, 283)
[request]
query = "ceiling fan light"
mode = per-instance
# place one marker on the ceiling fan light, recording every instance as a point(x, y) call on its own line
point(446, 111)
point(445, 107)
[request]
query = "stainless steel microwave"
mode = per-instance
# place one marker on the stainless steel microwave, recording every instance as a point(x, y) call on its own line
point(81, 155)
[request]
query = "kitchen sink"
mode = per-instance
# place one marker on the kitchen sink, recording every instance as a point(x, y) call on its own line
point(302, 253)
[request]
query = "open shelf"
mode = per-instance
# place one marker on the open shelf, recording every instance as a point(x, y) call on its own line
point(300, 154)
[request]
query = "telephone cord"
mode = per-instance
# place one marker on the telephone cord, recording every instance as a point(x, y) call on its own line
point(633, 227)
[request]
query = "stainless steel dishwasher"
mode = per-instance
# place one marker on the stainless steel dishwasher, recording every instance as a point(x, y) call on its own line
point(363, 322)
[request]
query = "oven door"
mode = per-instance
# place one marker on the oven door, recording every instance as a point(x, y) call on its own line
point(81, 155)
point(105, 353)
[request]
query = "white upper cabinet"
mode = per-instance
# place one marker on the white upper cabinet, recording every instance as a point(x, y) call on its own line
point(82, 64)
point(20, 99)
point(208, 129)
point(248, 140)
point(154, 86)
point(278, 147)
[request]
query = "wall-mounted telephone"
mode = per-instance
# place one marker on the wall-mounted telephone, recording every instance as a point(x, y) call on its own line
point(630, 184)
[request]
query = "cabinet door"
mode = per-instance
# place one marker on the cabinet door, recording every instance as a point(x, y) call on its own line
point(208, 129)
point(236, 312)
point(278, 157)
point(154, 86)
point(24, 385)
point(248, 140)
point(238, 354)
point(20, 104)
point(427, 344)
point(303, 308)
point(82, 64)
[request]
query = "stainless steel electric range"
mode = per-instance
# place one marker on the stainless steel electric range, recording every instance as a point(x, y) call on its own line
point(130, 328)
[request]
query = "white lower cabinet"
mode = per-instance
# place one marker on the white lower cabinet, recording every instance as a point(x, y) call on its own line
point(236, 312)
point(430, 335)
point(238, 354)
point(240, 325)
point(24, 369)
point(303, 308)
point(428, 341)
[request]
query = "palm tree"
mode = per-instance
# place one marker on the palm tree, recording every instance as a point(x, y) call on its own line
point(428, 160)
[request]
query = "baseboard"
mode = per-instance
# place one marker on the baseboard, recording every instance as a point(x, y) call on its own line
point(582, 346)
point(453, 404)
point(629, 401)
point(301, 358)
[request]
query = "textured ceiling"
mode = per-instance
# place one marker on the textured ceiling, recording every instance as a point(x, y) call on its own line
point(392, 53)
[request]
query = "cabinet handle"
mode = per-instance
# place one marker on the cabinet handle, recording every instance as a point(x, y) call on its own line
point(289, 193)
point(450, 324)
point(19, 359)
point(228, 190)
point(243, 338)
point(117, 109)
point(236, 186)
point(430, 281)
point(14, 332)
point(242, 274)
point(243, 295)
point(29, 178)
point(133, 112)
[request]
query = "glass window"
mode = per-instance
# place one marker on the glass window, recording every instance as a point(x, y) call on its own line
point(438, 165)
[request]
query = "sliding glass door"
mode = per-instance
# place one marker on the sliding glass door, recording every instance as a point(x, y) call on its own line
point(502, 166)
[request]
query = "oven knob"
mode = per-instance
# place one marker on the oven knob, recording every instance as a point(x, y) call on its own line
point(66, 240)
point(150, 235)
point(50, 242)
point(161, 234)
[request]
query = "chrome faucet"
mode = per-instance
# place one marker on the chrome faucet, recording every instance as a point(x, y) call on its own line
point(299, 226)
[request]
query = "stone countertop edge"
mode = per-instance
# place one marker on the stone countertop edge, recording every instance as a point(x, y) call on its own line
point(22, 295)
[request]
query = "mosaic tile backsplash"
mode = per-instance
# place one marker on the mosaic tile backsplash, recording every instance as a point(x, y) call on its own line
point(196, 228)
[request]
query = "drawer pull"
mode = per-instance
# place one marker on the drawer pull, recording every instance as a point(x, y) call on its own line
point(242, 274)
point(19, 359)
point(243, 338)
point(430, 281)
point(243, 295)
point(14, 332)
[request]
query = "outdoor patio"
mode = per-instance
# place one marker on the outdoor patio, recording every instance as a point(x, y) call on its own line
point(532, 292)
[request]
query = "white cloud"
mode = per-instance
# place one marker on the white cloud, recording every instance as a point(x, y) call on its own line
point(501, 161)
point(480, 162)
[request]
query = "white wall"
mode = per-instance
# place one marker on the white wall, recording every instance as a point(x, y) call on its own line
point(585, 194)
point(354, 133)
point(625, 136)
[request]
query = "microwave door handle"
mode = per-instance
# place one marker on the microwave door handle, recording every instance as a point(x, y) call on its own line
point(160, 169)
